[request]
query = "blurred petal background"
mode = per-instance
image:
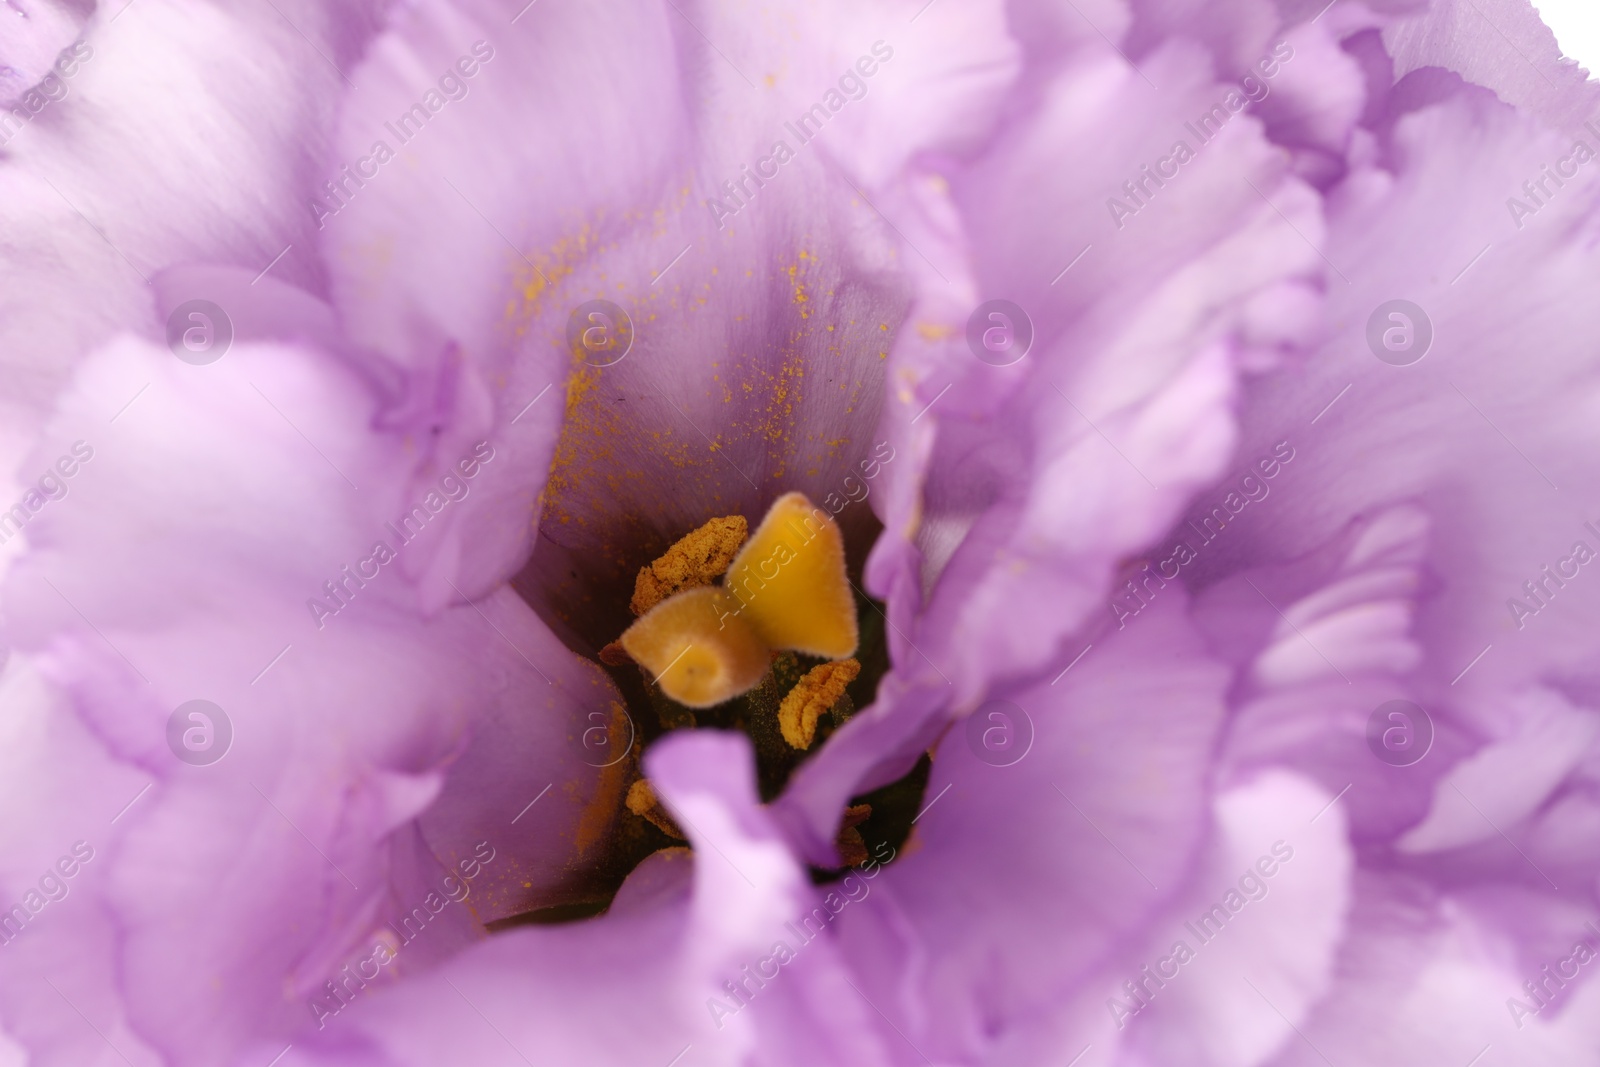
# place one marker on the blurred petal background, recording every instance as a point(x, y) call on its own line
point(439, 735)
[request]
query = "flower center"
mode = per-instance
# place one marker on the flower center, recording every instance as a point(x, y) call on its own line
point(786, 591)
point(763, 633)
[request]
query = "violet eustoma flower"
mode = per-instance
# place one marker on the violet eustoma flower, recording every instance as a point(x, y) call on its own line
point(1196, 396)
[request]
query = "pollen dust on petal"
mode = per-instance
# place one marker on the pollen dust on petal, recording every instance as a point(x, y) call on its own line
point(817, 691)
point(601, 809)
point(698, 558)
point(537, 280)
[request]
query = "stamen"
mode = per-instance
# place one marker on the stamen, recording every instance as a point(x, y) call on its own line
point(643, 802)
point(852, 848)
point(786, 590)
point(817, 692)
point(697, 648)
point(791, 583)
point(697, 558)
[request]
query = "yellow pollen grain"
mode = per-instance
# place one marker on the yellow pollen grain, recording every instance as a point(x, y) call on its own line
point(815, 693)
point(643, 802)
point(697, 558)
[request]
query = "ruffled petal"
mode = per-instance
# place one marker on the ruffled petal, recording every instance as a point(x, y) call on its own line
point(1093, 829)
point(1259, 927)
point(651, 981)
point(1504, 782)
point(59, 956)
point(115, 173)
point(1102, 434)
point(1504, 46)
point(336, 706)
point(1498, 450)
point(1022, 487)
point(1321, 644)
point(1422, 978)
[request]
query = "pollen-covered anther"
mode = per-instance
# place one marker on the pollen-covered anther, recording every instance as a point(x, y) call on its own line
point(643, 802)
point(697, 648)
point(791, 583)
point(852, 847)
point(812, 697)
point(698, 558)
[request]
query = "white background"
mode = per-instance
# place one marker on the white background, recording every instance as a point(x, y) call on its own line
point(1577, 27)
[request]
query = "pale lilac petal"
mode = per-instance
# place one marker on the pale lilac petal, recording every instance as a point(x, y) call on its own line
point(116, 601)
point(1193, 544)
point(1066, 854)
point(1023, 487)
point(33, 34)
point(58, 772)
point(635, 986)
point(1502, 45)
point(1073, 400)
point(1259, 968)
point(925, 98)
point(1420, 978)
point(1503, 783)
point(1320, 643)
point(1473, 429)
point(655, 443)
point(124, 173)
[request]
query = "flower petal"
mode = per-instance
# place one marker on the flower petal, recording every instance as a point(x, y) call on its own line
point(1020, 880)
point(135, 615)
point(1423, 979)
point(1500, 44)
point(1264, 944)
point(1502, 783)
point(731, 390)
point(1024, 486)
point(1480, 441)
point(32, 35)
point(120, 173)
point(658, 962)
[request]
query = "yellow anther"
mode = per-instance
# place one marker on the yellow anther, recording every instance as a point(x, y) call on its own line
point(810, 699)
point(791, 584)
point(698, 558)
point(697, 648)
point(643, 802)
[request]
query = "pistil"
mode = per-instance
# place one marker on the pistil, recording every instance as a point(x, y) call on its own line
point(730, 630)
point(697, 648)
point(786, 590)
